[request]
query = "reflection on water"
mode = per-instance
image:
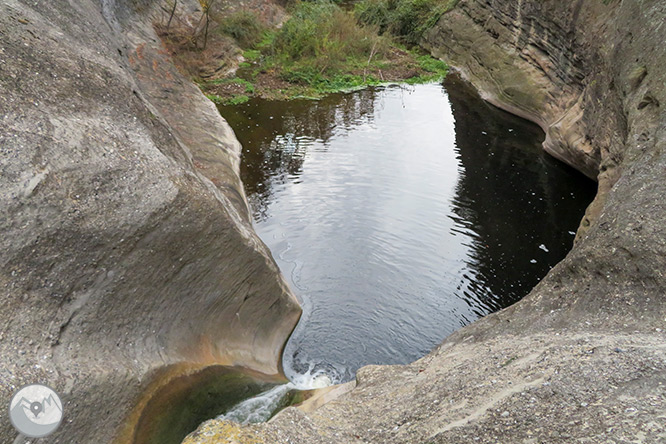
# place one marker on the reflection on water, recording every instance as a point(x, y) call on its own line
point(401, 214)
point(276, 135)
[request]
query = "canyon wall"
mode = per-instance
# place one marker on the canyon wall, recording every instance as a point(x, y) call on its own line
point(127, 249)
point(589, 72)
point(128, 259)
point(592, 74)
point(581, 358)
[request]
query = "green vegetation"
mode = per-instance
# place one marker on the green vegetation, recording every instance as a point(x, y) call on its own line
point(323, 48)
point(244, 26)
point(320, 37)
point(237, 91)
point(252, 55)
point(434, 69)
point(407, 20)
point(237, 99)
point(215, 98)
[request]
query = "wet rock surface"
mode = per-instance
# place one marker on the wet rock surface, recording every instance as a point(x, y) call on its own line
point(126, 244)
point(582, 357)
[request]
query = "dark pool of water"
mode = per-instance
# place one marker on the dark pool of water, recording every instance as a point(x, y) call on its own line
point(400, 214)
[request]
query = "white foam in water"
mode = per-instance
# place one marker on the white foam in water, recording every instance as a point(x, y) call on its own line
point(311, 379)
point(260, 408)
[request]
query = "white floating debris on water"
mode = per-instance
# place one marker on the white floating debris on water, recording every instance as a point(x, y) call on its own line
point(543, 247)
point(533, 261)
point(573, 233)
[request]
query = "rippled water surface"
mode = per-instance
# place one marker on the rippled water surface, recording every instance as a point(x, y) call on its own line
point(400, 214)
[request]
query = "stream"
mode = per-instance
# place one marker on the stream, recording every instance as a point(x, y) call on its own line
point(399, 214)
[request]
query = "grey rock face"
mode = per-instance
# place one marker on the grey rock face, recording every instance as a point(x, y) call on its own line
point(589, 72)
point(126, 243)
point(602, 64)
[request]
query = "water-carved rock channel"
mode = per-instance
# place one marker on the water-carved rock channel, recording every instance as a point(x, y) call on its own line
point(397, 214)
point(400, 214)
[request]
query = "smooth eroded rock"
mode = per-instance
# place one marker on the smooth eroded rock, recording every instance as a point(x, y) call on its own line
point(126, 242)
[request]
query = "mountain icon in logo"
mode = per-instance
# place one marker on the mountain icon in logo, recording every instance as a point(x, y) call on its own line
point(36, 410)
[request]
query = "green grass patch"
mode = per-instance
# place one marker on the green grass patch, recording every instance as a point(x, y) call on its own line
point(252, 55)
point(433, 65)
point(249, 87)
point(215, 98)
point(435, 70)
point(322, 48)
point(237, 99)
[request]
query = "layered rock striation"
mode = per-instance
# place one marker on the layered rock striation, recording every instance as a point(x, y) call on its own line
point(589, 72)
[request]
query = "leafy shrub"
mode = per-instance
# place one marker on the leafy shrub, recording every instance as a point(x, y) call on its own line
point(244, 26)
point(320, 37)
point(406, 19)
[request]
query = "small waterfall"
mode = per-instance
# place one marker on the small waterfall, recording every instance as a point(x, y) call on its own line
point(262, 406)
point(259, 408)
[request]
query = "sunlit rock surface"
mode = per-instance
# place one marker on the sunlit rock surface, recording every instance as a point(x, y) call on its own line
point(126, 243)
